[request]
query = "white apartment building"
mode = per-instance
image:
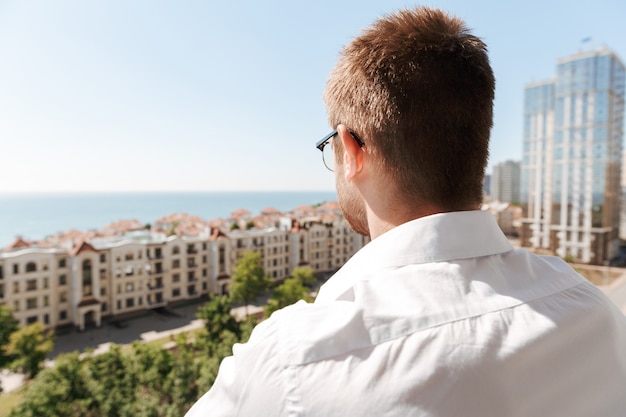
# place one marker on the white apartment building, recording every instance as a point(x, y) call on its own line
point(99, 278)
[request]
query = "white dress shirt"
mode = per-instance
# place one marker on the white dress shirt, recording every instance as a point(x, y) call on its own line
point(437, 317)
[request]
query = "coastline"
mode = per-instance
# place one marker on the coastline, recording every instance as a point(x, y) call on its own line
point(36, 216)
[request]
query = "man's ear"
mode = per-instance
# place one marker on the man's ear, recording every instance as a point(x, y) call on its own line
point(353, 155)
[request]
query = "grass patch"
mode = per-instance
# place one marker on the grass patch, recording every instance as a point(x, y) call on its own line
point(8, 400)
point(191, 334)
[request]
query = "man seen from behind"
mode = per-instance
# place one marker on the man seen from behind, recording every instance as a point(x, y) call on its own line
point(438, 315)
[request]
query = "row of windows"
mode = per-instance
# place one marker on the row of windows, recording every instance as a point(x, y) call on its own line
point(32, 303)
point(157, 254)
point(131, 270)
point(129, 302)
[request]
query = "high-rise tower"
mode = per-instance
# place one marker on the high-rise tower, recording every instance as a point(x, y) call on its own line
point(573, 129)
point(505, 182)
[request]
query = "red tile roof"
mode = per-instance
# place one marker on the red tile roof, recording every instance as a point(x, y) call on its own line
point(19, 243)
point(240, 213)
point(122, 226)
point(81, 247)
point(270, 211)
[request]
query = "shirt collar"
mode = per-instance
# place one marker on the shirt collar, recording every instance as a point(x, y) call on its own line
point(437, 238)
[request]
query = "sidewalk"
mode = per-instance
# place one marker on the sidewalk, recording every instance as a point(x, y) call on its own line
point(10, 381)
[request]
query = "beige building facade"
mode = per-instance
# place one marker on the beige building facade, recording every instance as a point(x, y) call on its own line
point(84, 282)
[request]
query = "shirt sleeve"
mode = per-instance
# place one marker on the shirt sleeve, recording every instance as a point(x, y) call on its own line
point(249, 383)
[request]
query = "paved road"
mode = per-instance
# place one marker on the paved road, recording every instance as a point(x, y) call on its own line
point(146, 327)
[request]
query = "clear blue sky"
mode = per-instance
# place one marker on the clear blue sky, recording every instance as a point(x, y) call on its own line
point(153, 95)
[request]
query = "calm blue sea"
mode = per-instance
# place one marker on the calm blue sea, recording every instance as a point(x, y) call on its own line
point(35, 216)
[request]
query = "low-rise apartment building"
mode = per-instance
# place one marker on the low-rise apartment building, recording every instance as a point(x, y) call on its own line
point(87, 279)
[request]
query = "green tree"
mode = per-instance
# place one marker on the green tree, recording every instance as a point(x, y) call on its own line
point(29, 346)
point(57, 391)
point(112, 383)
point(181, 384)
point(217, 322)
point(8, 325)
point(304, 274)
point(289, 292)
point(152, 364)
point(248, 279)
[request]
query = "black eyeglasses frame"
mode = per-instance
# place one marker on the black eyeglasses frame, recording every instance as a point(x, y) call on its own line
point(326, 140)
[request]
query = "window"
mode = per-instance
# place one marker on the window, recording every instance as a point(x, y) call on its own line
point(45, 283)
point(104, 307)
point(130, 302)
point(31, 319)
point(175, 250)
point(31, 285)
point(87, 284)
point(176, 263)
point(62, 315)
point(62, 262)
point(103, 258)
point(16, 269)
point(130, 287)
point(31, 303)
point(128, 256)
point(31, 267)
point(62, 279)
point(176, 278)
point(103, 291)
point(222, 259)
point(46, 301)
point(63, 297)
point(176, 292)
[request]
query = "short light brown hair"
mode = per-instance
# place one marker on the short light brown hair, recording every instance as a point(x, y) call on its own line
point(417, 87)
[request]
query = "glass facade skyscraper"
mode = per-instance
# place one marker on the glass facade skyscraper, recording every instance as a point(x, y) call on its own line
point(572, 147)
